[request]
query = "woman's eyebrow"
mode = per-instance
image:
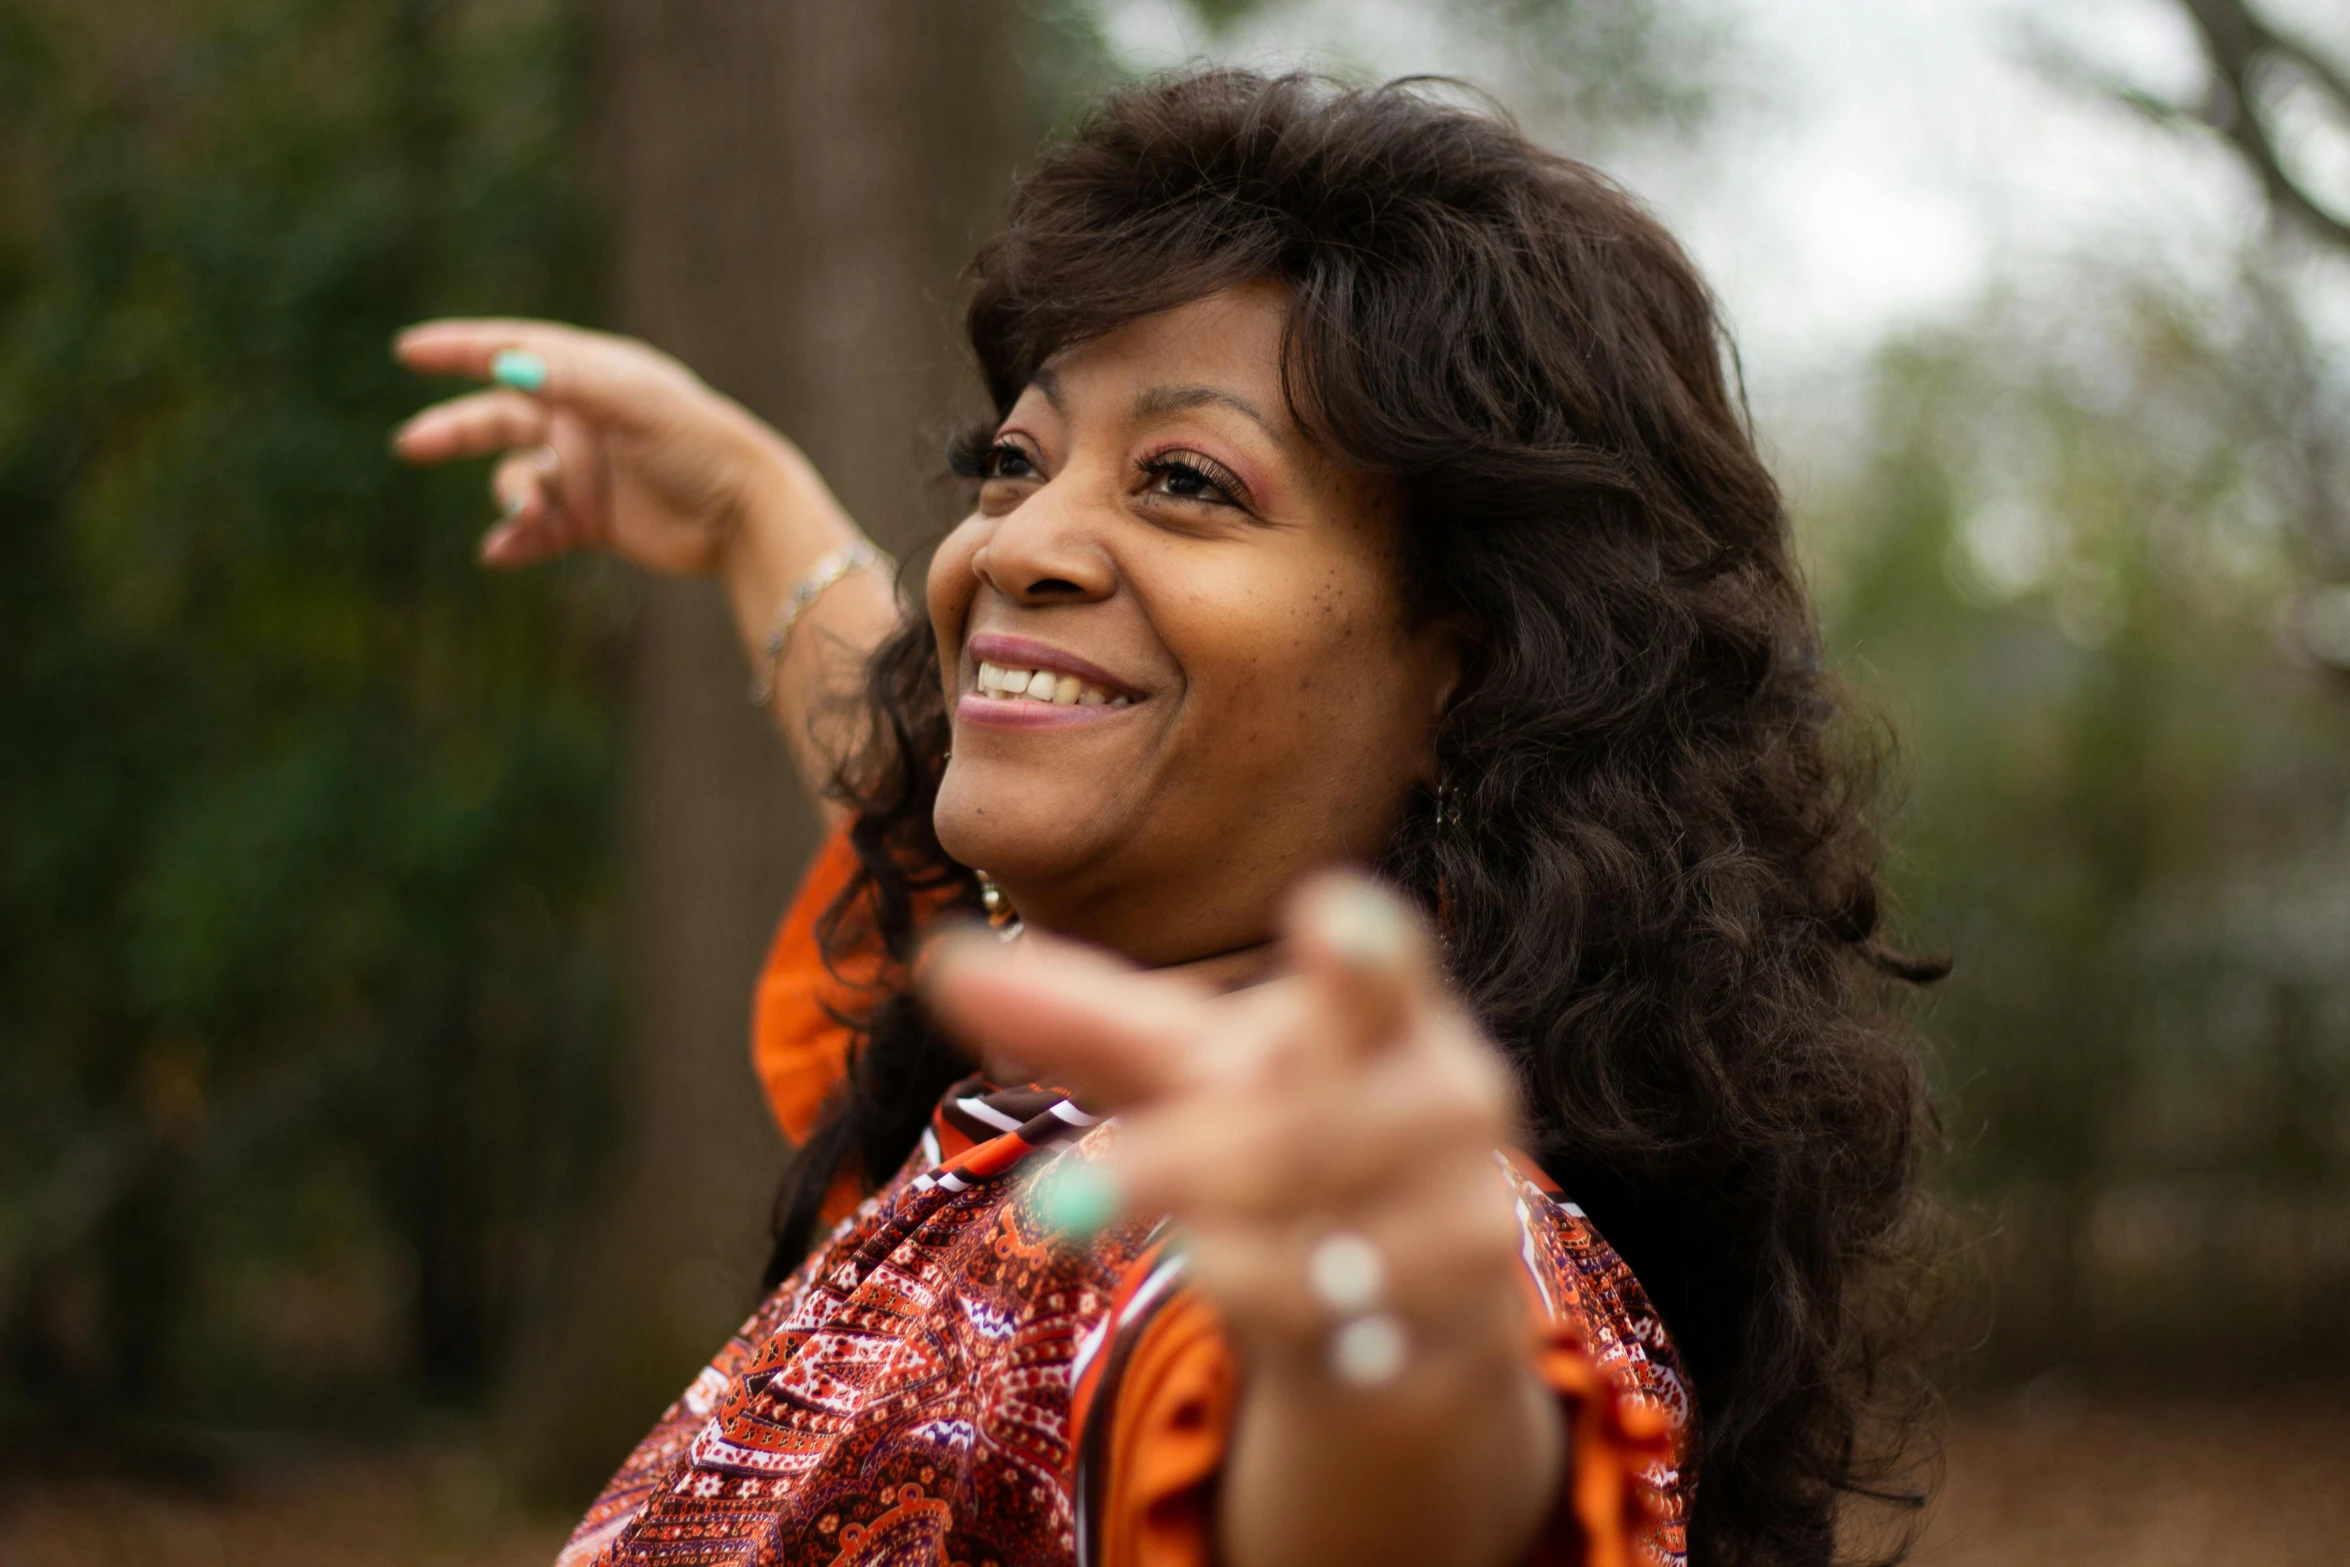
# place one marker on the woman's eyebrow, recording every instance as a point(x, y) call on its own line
point(1174, 399)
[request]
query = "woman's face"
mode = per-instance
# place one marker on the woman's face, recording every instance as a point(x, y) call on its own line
point(1212, 607)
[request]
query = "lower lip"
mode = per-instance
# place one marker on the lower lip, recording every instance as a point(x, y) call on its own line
point(996, 713)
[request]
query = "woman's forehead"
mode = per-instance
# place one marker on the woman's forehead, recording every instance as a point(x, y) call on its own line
point(1223, 351)
point(1238, 330)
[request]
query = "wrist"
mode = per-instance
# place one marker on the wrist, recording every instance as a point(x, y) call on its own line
point(762, 496)
point(1457, 1461)
point(782, 523)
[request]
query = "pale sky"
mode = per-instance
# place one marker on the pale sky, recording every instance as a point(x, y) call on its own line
point(1880, 163)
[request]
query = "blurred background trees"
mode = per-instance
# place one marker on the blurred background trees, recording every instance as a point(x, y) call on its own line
point(2089, 549)
point(2128, 781)
point(376, 936)
point(304, 899)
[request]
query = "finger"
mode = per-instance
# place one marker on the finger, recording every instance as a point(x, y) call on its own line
point(1262, 1156)
point(472, 426)
point(519, 483)
point(614, 380)
point(1078, 1017)
point(578, 480)
point(531, 526)
point(1366, 957)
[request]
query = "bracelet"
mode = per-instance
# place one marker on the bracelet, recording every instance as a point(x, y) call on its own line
point(826, 572)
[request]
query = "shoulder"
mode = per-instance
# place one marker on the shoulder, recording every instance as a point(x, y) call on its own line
point(1593, 1299)
point(1583, 1280)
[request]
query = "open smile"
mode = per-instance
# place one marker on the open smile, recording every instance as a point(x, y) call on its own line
point(1043, 685)
point(1022, 683)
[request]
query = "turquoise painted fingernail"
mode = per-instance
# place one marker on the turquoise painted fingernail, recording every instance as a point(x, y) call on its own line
point(525, 372)
point(1076, 1199)
point(1364, 926)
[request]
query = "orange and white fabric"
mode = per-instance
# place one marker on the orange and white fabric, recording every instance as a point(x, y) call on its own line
point(947, 1379)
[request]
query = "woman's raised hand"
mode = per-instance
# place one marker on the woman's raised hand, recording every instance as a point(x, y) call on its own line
point(1326, 1142)
point(607, 443)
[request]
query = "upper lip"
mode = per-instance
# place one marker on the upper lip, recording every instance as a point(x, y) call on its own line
point(1007, 652)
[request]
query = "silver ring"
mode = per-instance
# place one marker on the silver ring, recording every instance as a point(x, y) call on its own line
point(1348, 1276)
point(1369, 1351)
point(1347, 1273)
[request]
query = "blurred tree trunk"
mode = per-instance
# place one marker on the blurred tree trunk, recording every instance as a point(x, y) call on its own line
point(793, 186)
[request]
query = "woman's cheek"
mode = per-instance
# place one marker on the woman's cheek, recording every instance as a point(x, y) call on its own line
point(949, 587)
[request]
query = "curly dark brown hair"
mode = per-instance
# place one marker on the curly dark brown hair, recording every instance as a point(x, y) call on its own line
point(1660, 888)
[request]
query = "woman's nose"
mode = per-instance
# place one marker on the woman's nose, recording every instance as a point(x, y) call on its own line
point(1046, 551)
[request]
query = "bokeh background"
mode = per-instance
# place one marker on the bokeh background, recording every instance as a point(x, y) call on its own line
point(378, 1151)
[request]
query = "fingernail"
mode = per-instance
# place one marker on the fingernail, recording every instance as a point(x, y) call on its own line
point(525, 372)
point(511, 505)
point(1364, 926)
point(494, 541)
point(1076, 1199)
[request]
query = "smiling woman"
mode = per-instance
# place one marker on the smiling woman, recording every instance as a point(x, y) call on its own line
point(1364, 493)
point(1152, 519)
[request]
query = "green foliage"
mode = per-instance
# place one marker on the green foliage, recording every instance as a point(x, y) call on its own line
point(2063, 564)
point(1609, 64)
point(304, 838)
point(1583, 67)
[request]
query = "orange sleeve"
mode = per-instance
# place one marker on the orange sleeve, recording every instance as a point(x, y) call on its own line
point(1168, 1430)
point(1603, 1516)
point(1173, 1420)
point(799, 1047)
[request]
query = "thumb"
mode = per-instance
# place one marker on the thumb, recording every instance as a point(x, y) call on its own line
point(1367, 954)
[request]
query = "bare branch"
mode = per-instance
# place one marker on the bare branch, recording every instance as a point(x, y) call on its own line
point(2238, 45)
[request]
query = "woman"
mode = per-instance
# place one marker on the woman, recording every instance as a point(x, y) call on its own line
point(1363, 489)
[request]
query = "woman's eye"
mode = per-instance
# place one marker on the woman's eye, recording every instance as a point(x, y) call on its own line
point(1007, 461)
point(1184, 480)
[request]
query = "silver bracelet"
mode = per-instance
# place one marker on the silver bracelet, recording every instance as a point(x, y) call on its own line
point(822, 575)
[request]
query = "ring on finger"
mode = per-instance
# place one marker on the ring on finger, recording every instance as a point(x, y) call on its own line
point(1367, 1345)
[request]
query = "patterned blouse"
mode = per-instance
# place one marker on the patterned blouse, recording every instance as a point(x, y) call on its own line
point(948, 1380)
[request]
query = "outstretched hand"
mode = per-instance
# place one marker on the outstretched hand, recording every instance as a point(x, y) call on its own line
point(1344, 1114)
point(1351, 1095)
point(603, 442)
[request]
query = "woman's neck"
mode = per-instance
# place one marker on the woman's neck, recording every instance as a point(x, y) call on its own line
point(1223, 972)
point(1228, 971)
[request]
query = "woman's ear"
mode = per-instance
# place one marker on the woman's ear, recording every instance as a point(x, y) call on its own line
point(1447, 651)
point(1451, 645)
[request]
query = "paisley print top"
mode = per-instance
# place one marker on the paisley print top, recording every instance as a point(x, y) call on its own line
point(947, 1380)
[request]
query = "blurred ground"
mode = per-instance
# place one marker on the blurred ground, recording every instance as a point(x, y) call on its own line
point(405, 1510)
point(2055, 1478)
point(2044, 1479)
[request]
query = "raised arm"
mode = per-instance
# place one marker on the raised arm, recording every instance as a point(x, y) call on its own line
point(606, 443)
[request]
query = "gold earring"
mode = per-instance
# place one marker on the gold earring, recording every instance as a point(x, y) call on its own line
point(1000, 912)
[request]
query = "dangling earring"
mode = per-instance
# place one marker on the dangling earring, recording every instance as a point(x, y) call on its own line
point(1000, 912)
point(1448, 822)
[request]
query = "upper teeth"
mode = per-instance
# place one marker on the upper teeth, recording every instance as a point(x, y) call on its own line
point(1045, 685)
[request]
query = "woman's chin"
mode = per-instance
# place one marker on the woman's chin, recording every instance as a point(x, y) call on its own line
point(1014, 836)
